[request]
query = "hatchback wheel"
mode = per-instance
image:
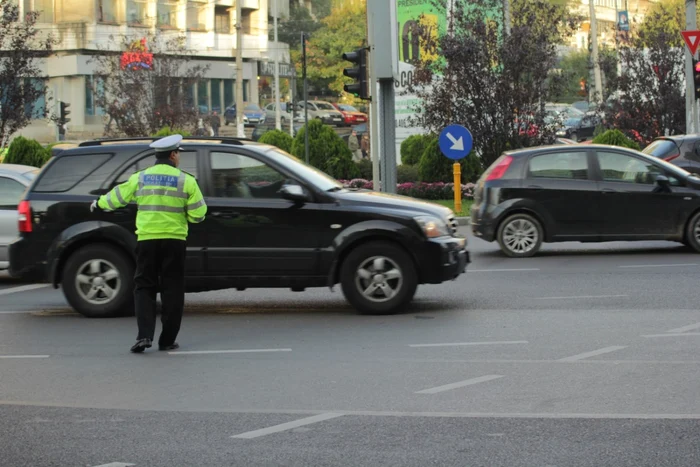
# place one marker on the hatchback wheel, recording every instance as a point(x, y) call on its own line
point(378, 278)
point(692, 234)
point(520, 236)
point(98, 282)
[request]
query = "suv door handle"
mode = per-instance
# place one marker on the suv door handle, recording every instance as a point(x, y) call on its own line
point(225, 215)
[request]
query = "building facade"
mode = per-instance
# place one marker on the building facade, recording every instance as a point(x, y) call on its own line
point(85, 27)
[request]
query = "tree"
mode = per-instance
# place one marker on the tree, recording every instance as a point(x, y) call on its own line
point(149, 85)
point(669, 21)
point(21, 45)
point(494, 84)
point(650, 94)
point(343, 30)
point(327, 151)
point(576, 68)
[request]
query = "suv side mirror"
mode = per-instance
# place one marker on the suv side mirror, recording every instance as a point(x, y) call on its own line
point(293, 193)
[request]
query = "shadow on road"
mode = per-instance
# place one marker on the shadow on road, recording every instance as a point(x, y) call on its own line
point(598, 249)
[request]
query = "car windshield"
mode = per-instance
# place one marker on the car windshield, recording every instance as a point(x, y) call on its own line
point(252, 107)
point(319, 179)
point(324, 106)
point(347, 108)
point(572, 121)
point(661, 148)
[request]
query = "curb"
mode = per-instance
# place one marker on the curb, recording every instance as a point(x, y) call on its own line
point(463, 220)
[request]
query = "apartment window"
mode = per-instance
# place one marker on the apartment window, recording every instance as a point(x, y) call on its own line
point(167, 14)
point(38, 108)
point(93, 88)
point(137, 12)
point(43, 7)
point(222, 20)
point(216, 95)
point(246, 84)
point(197, 16)
point(246, 23)
point(106, 11)
point(203, 95)
point(228, 92)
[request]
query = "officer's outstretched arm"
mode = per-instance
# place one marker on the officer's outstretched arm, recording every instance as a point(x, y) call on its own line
point(120, 196)
point(196, 207)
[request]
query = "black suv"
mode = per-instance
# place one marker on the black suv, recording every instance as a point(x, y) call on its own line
point(272, 221)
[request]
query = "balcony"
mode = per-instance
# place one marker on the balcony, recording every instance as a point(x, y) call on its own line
point(250, 4)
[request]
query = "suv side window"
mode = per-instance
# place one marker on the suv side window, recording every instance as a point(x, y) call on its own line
point(67, 171)
point(237, 176)
point(188, 163)
point(10, 193)
point(566, 165)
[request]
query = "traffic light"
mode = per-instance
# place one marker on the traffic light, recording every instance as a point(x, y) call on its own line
point(696, 78)
point(360, 88)
point(64, 112)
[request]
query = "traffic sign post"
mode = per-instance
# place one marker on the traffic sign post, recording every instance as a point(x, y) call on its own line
point(456, 143)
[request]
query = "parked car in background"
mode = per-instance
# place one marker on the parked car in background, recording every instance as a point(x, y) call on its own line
point(351, 116)
point(253, 114)
point(14, 180)
point(579, 128)
point(585, 193)
point(285, 113)
point(264, 128)
point(272, 222)
point(680, 150)
point(322, 110)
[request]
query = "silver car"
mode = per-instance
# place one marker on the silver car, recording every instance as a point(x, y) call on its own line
point(14, 180)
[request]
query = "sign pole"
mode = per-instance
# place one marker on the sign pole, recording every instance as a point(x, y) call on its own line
point(690, 102)
point(457, 172)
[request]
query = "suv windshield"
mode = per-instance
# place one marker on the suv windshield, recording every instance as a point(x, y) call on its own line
point(319, 179)
point(661, 148)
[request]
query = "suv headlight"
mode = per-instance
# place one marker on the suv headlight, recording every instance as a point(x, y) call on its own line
point(432, 226)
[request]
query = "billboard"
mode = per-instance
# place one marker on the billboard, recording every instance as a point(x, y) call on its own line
point(409, 13)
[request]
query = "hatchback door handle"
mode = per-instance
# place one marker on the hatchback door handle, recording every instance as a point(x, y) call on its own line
point(608, 191)
point(225, 215)
point(535, 187)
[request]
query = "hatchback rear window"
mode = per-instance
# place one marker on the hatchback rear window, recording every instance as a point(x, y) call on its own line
point(662, 148)
point(66, 172)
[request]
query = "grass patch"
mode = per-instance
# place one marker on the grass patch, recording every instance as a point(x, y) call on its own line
point(450, 203)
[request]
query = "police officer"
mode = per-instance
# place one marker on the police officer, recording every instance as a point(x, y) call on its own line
point(167, 198)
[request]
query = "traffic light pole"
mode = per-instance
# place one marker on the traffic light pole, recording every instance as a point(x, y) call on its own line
point(691, 108)
point(306, 98)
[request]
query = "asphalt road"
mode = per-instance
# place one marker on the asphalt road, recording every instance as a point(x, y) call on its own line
point(585, 355)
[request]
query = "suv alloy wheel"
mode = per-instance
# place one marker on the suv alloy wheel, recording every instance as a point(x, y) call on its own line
point(378, 278)
point(98, 282)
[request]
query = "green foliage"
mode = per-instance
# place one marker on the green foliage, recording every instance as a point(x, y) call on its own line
point(412, 149)
point(277, 138)
point(25, 151)
point(365, 167)
point(167, 131)
point(616, 138)
point(435, 167)
point(327, 151)
point(575, 68)
point(407, 174)
point(599, 130)
point(664, 20)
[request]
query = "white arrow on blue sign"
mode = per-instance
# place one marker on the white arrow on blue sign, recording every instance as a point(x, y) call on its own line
point(455, 142)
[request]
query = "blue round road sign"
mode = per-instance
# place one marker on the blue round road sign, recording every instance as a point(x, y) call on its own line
point(455, 142)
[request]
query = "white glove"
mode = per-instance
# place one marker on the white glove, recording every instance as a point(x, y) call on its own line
point(93, 206)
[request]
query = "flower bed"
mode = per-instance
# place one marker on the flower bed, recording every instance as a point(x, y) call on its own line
point(420, 190)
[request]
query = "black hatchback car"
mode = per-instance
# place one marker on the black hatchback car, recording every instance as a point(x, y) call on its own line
point(272, 221)
point(591, 193)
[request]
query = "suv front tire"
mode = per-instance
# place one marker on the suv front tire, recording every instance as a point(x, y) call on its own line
point(378, 278)
point(97, 281)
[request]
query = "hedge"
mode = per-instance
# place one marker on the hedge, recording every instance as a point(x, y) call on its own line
point(616, 138)
point(435, 167)
point(277, 138)
point(327, 151)
point(25, 151)
point(167, 131)
point(412, 149)
point(421, 190)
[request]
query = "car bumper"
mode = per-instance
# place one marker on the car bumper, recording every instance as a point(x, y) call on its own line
point(333, 121)
point(483, 222)
point(25, 263)
point(443, 259)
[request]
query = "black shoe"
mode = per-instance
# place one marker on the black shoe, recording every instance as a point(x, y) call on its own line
point(172, 346)
point(141, 345)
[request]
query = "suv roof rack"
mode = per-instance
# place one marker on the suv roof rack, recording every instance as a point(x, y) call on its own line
point(150, 139)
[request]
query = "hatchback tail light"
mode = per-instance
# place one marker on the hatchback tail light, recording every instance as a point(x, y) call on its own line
point(672, 156)
point(25, 216)
point(499, 168)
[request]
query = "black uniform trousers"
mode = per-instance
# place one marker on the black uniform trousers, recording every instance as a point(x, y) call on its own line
point(160, 266)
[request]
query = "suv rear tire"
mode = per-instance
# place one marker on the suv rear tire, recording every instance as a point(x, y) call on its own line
point(378, 278)
point(520, 236)
point(98, 282)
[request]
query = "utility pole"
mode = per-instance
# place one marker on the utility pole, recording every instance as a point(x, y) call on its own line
point(598, 92)
point(691, 111)
point(278, 114)
point(239, 71)
point(506, 16)
point(306, 97)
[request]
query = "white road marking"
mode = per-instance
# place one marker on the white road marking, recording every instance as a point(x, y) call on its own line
point(16, 312)
point(205, 352)
point(581, 296)
point(457, 344)
point(689, 327)
point(23, 356)
point(592, 353)
point(288, 425)
point(503, 270)
point(676, 334)
point(115, 464)
point(22, 288)
point(460, 384)
point(658, 265)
